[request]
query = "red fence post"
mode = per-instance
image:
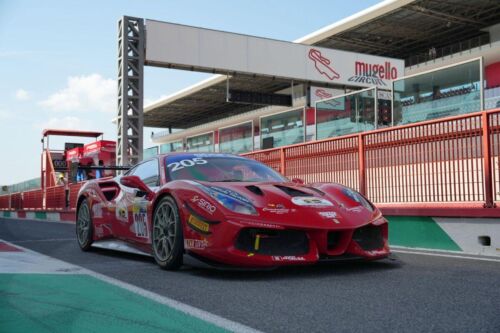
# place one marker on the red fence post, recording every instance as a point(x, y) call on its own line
point(282, 161)
point(488, 184)
point(361, 164)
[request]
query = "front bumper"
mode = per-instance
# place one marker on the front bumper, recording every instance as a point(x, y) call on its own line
point(254, 244)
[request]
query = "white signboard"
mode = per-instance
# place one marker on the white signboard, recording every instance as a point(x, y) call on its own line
point(175, 45)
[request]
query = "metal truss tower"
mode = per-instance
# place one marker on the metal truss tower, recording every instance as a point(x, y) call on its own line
point(130, 120)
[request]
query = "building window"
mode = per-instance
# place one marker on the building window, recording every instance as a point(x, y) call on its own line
point(449, 91)
point(201, 143)
point(171, 147)
point(149, 152)
point(347, 114)
point(236, 139)
point(282, 129)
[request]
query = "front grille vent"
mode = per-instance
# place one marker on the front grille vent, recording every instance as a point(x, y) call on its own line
point(369, 237)
point(333, 239)
point(273, 242)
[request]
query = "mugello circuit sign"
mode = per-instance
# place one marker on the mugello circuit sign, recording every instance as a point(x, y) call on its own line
point(365, 71)
point(192, 48)
point(374, 73)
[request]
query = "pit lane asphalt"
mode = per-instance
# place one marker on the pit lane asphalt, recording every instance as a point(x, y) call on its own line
point(414, 293)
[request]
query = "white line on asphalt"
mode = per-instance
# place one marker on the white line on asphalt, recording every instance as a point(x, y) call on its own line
point(445, 255)
point(188, 309)
point(423, 249)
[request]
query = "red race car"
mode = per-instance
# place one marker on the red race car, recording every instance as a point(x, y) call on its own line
point(230, 210)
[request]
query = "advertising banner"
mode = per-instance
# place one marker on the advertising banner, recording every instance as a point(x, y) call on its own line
point(186, 47)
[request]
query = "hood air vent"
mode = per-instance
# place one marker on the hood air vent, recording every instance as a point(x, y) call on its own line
point(293, 192)
point(316, 190)
point(255, 190)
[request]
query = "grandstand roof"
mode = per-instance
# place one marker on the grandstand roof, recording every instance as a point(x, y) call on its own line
point(395, 28)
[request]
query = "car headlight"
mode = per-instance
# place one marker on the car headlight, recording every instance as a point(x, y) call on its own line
point(356, 196)
point(235, 202)
point(379, 220)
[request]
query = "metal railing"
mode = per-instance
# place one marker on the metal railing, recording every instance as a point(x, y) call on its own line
point(73, 194)
point(436, 53)
point(443, 163)
point(32, 199)
point(54, 198)
point(441, 167)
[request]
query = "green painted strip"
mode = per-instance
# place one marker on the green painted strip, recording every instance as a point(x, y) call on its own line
point(41, 215)
point(416, 231)
point(81, 303)
point(6, 214)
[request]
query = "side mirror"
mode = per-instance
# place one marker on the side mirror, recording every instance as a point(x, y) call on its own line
point(298, 181)
point(135, 182)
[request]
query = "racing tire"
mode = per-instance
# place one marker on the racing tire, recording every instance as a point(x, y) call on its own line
point(167, 240)
point(84, 227)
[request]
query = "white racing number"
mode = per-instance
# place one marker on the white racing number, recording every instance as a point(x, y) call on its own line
point(174, 166)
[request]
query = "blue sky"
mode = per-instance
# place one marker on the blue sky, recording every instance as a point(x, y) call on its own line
point(58, 60)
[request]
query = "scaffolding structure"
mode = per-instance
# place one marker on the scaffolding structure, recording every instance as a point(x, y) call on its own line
point(130, 120)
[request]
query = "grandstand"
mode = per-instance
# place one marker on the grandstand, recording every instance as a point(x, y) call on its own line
point(440, 42)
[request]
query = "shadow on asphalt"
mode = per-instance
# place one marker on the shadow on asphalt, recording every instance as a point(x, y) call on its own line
point(120, 255)
point(196, 268)
point(318, 270)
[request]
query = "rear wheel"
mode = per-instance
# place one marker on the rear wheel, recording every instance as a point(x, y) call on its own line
point(84, 228)
point(167, 239)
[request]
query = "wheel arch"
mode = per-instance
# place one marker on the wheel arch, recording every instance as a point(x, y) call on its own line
point(81, 197)
point(163, 194)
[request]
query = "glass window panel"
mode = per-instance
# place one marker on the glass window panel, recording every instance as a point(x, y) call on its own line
point(149, 152)
point(237, 139)
point(148, 172)
point(445, 92)
point(201, 143)
point(346, 114)
point(492, 98)
point(23, 186)
point(171, 147)
point(282, 129)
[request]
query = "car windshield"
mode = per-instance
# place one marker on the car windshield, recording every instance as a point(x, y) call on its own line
point(219, 168)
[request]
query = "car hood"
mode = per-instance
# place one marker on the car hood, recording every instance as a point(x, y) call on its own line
point(300, 206)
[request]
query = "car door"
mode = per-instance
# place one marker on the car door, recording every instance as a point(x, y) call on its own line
point(133, 208)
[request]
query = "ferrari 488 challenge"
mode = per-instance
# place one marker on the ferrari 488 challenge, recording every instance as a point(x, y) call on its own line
point(229, 210)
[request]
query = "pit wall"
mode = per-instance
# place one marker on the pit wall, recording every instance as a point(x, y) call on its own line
point(466, 235)
point(463, 235)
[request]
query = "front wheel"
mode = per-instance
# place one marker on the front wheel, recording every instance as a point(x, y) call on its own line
point(167, 239)
point(84, 228)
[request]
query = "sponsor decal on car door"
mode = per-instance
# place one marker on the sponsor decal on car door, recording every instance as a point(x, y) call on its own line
point(140, 222)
